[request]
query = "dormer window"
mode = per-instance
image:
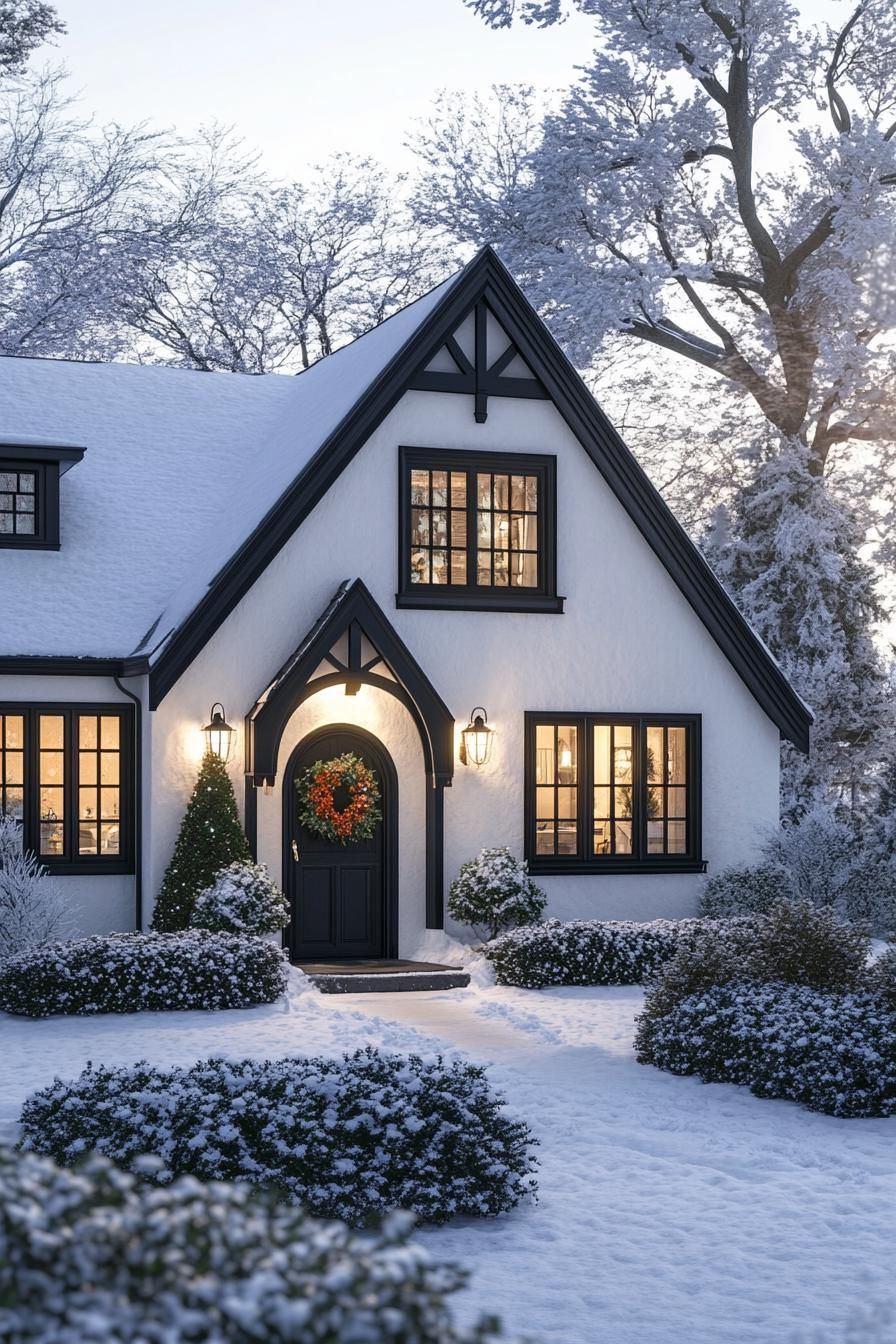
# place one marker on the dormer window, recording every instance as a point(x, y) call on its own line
point(29, 492)
point(18, 503)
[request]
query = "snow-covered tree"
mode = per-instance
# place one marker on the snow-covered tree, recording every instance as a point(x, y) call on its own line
point(880, 832)
point(720, 184)
point(790, 552)
point(241, 273)
point(32, 911)
point(692, 191)
point(70, 193)
point(24, 26)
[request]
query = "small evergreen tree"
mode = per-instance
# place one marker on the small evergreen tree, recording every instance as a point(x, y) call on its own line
point(210, 838)
point(788, 553)
point(32, 911)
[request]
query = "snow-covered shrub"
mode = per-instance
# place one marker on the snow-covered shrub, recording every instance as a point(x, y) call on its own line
point(712, 952)
point(584, 952)
point(795, 943)
point(98, 1257)
point(831, 862)
point(32, 911)
point(749, 890)
point(817, 852)
point(831, 1052)
point(138, 972)
point(798, 943)
point(347, 1138)
point(243, 898)
point(493, 892)
point(881, 976)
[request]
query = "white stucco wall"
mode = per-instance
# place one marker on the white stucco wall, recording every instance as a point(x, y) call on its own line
point(628, 641)
point(98, 904)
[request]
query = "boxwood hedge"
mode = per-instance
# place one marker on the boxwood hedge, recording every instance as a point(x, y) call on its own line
point(97, 1257)
point(348, 1138)
point(134, 972)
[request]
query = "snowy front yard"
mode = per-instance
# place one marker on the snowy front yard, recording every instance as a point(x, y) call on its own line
point(670, 1212)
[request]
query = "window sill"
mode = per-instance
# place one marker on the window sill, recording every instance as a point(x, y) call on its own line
point(498, 601)
point(88, 867)
point(14, 543)
point(588, 867)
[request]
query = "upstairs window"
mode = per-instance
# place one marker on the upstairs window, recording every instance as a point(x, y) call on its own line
point(613, 793)
point(478, 531)
point(66, 774)
point(29, 493)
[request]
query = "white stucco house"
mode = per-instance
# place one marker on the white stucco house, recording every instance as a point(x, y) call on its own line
point(434, 520)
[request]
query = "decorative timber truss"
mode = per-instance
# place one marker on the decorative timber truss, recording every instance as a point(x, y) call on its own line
point(480, 360)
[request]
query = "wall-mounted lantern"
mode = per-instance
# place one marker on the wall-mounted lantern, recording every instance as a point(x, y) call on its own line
point(218, 733)
point(476, 739)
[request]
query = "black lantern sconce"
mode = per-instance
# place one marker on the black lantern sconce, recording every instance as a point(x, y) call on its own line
point(218, 734)
point(476, 739)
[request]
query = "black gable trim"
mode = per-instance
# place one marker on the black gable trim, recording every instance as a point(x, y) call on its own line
point(486, 278)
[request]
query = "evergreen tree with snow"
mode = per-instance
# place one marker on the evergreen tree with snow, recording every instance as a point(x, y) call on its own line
point(210, 838)
point(788, 551)
point(880, 834)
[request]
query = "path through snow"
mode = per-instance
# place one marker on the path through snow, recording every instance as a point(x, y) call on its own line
point(670, 1212)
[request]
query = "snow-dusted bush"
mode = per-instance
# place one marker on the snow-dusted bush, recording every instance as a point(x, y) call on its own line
point(749, 890)
point(32, 911)
point(714, 952)
point(98, 1257)
point(831, 1052)
point(798, 943)
point(795, 943)
point(584, 952)
point(347, 1138)
point(137, 972)
point(493, 892)
point(243, 898)
point(829, 862)
point(881, 976)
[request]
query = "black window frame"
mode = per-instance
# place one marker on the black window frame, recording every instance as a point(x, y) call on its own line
point(46, 516)
point(639, 861)
point(47, 463)
point(71, 863)
point(472, 596)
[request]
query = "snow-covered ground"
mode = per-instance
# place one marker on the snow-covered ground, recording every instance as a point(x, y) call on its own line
point(670, 1212)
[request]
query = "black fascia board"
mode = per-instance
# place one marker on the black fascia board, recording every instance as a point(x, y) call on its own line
point(66, 457)
point(70, 665)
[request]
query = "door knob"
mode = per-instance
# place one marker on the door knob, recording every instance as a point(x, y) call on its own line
point(295, 851)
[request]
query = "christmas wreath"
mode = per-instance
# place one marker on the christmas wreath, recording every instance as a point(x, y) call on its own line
point(317, 787)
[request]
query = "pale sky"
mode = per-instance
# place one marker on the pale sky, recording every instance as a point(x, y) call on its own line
point(299, 78)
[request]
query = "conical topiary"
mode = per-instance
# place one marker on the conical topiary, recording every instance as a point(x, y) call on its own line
point(210, 838)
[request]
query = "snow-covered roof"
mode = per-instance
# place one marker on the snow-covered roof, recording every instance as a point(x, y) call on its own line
point(180, 467)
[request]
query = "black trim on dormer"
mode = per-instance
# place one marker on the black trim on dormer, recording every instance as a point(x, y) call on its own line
point(45, 463)
point(486, 278)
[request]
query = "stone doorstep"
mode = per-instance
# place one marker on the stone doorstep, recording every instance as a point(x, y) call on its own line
point(384, 977)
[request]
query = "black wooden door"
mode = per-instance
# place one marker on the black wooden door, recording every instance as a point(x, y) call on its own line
point(338, 893)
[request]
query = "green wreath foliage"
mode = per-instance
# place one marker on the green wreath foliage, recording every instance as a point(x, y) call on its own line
point(317, 810)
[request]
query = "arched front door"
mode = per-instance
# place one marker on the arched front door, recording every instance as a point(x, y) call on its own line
point(343, 897)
